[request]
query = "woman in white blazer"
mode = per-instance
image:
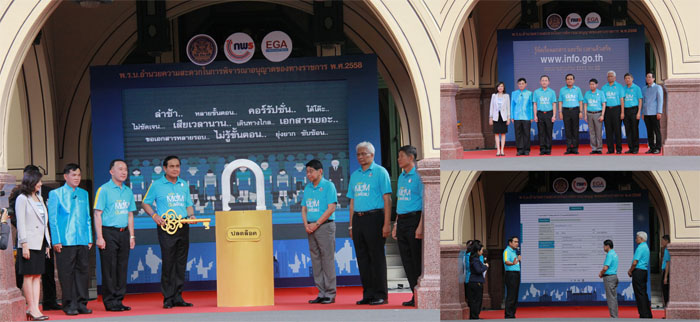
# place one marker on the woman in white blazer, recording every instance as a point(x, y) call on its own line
point(33, 239)
point(499, 116)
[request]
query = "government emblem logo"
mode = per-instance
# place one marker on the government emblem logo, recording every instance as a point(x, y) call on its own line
point(201, 50)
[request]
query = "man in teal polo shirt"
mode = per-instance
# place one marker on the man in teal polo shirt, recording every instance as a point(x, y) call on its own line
point(638, 272)
point(543, 100)
point(170, 192)
point(521, 115)
point(609, 276)
point(511, 262)
point(114, 228)
point(593, 114)
point(570, 99)
point(633, 104)
point(71, 234)
point(614, 103)
point(408, 230)
point(318, 215)
point(665, 267)
point(369, 192)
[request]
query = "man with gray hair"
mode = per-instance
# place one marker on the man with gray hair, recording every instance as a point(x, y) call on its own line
point(614, 104)
point(638, 272)
point(369, 192)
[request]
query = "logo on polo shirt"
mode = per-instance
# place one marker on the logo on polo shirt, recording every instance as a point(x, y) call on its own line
point(313, 205)
point(362, 189)
point(121, 205)
point(175, 200)
point(404, 194)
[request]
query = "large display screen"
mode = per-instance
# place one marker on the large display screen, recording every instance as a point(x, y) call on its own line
point(586, 54)
point(278, 115)
point(561, 243)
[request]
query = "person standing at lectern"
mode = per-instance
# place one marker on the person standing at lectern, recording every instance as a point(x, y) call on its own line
point(170, 192)
point(369, 192)
point(114, 228)
point(318, 214)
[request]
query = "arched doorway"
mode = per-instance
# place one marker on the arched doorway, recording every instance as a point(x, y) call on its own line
point(471, 58)
point(479, 203)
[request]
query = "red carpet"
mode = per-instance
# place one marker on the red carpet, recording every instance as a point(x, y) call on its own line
point(570, 312)
point(557, 150)
point(286, 299)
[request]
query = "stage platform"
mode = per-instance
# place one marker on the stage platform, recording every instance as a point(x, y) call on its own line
point(149, 307)
point(561, 312)
point(557, 150)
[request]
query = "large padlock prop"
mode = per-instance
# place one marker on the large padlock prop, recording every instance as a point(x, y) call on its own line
point(245, 273)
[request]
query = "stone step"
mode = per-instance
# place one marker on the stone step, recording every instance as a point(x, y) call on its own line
point(393, 260)
point(395, 272)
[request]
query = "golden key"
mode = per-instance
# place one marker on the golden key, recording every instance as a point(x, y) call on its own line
point(173, 222)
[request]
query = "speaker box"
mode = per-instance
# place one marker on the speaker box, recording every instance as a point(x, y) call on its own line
point(328, 22)
point(153, 27)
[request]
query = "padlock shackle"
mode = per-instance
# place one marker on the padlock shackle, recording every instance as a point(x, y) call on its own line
point(226, 183)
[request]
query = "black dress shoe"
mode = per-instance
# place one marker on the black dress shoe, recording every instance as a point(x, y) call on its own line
point(650, 151)
point(574, 152)
point(629, 152)
point(316, 300)
point(567, 152)
point(113, 309)
point(51, 306)
point(71, 312)
point(124, 307)
point(657, 151)
point(548, 153)
point(183, 303)
point(167, 305)
point(610, 152)
point(363, 301)
point(618, 152)
point(84, 310)
point(409, 303)
point(328, 300)
point(378, 302)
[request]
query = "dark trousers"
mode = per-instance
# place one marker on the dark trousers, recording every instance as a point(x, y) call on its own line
point(73, 274)
point(476, 295)
point(571, 121)
point(632, 128)
point(369, 248)
point(639, 285)
point(664, 287)
point(512, 289)
point(410, 248)
point(544, 130)
point(114, 259)
point(173, 250)
point(613, 131)
point(522, 135)
point(653, 132)
point(48, 281)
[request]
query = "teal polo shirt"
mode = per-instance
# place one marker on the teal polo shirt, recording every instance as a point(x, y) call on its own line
point(611, 262)
point(510, 255)
point(545, 99)
point(409, 192)
point(665, 260)
point(367, 188)
point(115, 204)
point(594, 100)
point(521, 105)
point(641, 255)
point(632, 96)
point(570, 97)
point(317, 199)
point(613, 94)
point(167, 195)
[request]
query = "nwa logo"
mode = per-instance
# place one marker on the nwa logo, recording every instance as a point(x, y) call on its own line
point(175, 200)
point(239, 48)
point(121, 205)
point(404, 194)
point(362, 189)
point(313, 205)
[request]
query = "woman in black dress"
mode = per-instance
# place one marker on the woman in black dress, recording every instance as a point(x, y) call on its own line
point(33, 239)
point(499, 116)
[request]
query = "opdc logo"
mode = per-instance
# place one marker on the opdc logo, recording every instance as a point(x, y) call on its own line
point(239, 48)
point(276, 46)
point(573, 21)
